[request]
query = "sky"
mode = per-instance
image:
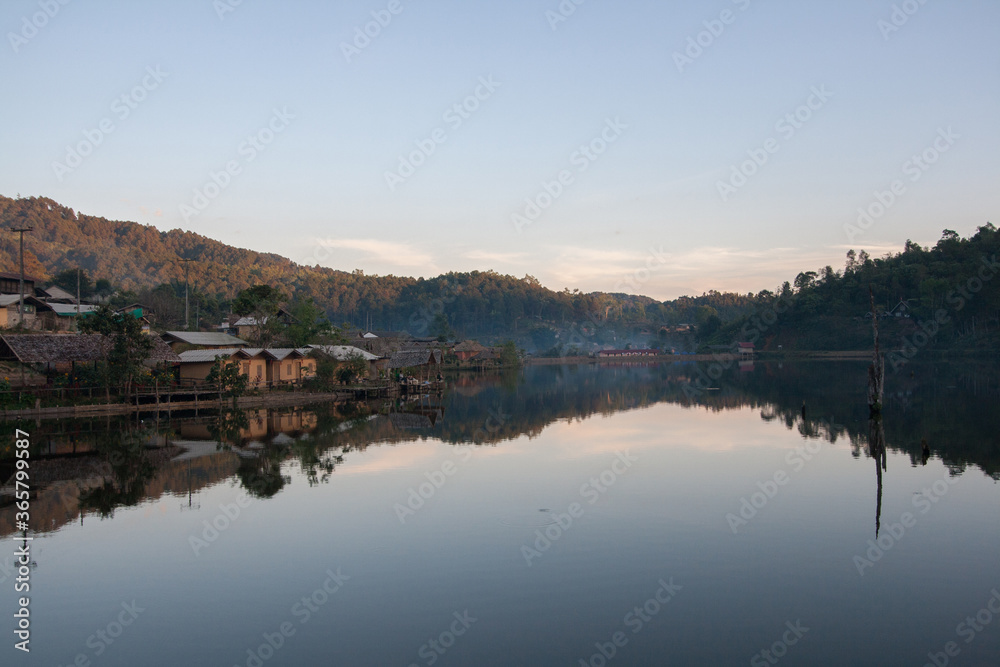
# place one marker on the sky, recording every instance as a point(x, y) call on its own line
point(657, 148)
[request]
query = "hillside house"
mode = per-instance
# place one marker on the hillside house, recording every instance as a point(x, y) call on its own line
point(181, 341)
point(10, 283)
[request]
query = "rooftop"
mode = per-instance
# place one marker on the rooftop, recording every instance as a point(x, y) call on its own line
point(203, 338)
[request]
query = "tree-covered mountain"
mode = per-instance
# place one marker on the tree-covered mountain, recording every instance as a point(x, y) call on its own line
point(818, 310)
point(945, 297)
point(146, 261)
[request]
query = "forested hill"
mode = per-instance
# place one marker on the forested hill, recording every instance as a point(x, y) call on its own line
point(480, 303)
point(944, 297)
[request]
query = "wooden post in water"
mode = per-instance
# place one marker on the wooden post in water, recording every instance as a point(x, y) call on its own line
point(876, 372)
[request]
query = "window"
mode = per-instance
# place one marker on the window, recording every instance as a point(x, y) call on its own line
point(288, 370)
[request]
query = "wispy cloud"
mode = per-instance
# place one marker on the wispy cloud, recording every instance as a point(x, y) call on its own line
point(384, 252)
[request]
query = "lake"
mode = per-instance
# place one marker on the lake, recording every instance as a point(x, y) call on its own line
point(682, 514)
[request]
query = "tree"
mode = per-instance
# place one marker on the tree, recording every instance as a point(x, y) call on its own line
point(126, 346)
point(308, 322)
point(227, 376)
point(66, 279)
point(508, 354)
point(352, 367)
point(261, 303)
point(804, 280)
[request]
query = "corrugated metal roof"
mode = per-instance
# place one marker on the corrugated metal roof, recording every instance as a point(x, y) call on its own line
point(344, 352)
point(70, 308)
point(204, 338)
point(203, 356)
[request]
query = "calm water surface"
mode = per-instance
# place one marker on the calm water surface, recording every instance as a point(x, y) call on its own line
point(563, 516)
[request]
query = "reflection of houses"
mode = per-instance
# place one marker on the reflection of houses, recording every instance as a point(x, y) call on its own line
point(262, 367)
point(623, 354)
point(262, 425)
point(62, 352)
point(179, 341)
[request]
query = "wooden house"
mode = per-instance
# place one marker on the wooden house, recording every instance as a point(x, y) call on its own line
point(61, 352)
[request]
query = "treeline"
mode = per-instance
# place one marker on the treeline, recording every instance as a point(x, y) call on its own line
point(946, 297)
point(143, 263)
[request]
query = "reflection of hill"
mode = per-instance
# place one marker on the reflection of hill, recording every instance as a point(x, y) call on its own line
point(949, 405)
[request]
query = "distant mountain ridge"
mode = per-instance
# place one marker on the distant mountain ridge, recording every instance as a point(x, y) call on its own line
point(135, 256)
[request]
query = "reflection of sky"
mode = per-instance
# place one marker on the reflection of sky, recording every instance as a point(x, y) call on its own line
point(665, 517)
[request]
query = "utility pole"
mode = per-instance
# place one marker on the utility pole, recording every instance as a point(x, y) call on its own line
point(187, 316)
point(20, 307)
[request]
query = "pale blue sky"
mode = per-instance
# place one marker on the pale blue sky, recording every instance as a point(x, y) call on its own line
point(318, 191)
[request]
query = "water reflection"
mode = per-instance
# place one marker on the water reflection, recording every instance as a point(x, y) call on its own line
point(98, 466)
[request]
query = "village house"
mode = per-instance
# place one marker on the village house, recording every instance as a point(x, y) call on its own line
point(468, 349)
point(10, 283)
point(262, 367)
point(62, 352)
point(620, 354)
point(181, 341)
point(342, 353)
point(423, 363)
point(745, 350)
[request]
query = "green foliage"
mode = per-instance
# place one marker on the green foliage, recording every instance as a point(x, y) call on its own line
point(352, 368)
point(127, 348)
point(308, 323)
point(509, 355)
point(66, 279)
point(262, 303)
point(227, 376)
